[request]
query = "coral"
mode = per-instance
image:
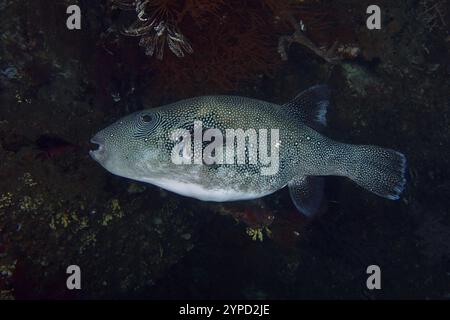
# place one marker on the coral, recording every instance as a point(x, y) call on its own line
point(6, 295)
point(255, 216)
point(114, 211)
point(7, 268)
point(225, 43)
point(360, 80)
point(29, 204)
point(231, 41)
point(257, 233)
point(28, 180)
point(6, 200)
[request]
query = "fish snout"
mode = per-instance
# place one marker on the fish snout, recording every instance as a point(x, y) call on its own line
point(99, 153)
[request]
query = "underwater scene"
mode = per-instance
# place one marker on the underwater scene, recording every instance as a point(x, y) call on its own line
point(224, 149)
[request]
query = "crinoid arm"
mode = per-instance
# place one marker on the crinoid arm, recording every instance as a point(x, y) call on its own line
point(157, 28)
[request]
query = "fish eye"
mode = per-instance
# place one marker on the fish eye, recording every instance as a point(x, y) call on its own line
point(146, 118)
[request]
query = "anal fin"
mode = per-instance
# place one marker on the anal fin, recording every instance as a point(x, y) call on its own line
point(307, 193)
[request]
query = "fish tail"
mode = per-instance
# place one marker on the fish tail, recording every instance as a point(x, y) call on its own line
point(379, 170)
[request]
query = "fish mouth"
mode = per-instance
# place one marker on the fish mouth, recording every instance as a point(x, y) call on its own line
point(100, 151)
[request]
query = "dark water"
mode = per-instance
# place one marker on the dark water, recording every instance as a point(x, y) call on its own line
point(390, 87)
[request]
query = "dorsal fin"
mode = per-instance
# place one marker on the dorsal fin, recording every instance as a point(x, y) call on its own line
point(310, 106)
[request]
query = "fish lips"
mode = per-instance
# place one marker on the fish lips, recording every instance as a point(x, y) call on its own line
point(98, 154)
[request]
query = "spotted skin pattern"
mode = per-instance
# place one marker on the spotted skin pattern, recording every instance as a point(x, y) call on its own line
point(138, 147)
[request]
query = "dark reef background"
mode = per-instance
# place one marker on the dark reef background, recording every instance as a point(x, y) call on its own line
point(58, 207)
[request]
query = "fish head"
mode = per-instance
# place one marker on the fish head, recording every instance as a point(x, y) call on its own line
point(133, 146)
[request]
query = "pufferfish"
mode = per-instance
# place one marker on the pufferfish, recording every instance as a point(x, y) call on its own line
point(141, 147)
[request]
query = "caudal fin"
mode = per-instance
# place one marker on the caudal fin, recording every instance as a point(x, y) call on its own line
point(379, 170)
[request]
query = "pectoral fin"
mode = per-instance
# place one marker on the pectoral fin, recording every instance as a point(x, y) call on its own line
point(307, 193)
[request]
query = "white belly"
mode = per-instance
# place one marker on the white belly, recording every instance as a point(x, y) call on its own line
point(199, 192)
